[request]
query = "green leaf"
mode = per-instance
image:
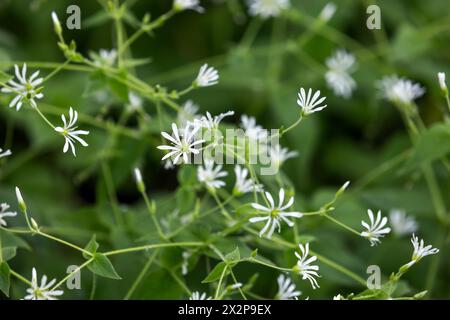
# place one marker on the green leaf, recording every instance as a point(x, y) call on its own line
point(4, 77)
point(233, 257)
point(215, 274)
point(8, 253)
point(101, 266)
point(92, 247)
point(5, 275)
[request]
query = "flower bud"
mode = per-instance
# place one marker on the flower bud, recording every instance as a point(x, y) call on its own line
point(442, 84)
point(22, 204)
point(34, 224)
point(56, 24)
point(139, 182)
point(328, 11)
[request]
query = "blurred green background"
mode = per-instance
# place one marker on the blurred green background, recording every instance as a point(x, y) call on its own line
point(350, 140)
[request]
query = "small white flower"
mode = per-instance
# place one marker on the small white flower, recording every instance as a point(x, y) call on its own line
point(328, 11)
point(26, 90)
point(279, 155)
point(420, 250)
point(210, 175)
point(338, 77)
point(310, 104)
point(199, 296)
point(183, 144)
point(267, 8)
point(56, 23)
point(304, 267)
point(42, 291)
point(180, 5)
point(339, 297)
point(188, 113)
point(211, 123)
point(244, 184)
point(376, 228)
point(400, 90)
point(134, 102)
point(274, 214)
point(185, 264)
point(401, 223)
point(442, 84)
point(253, 131)
point(207, 76)
point(4, 213)
point(6, 153)
point(286, 289)
point(105, 57)
point(70, 133)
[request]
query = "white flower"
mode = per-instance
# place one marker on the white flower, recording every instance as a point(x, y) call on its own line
point(105, 57)
point(70, 132)
point(339, 297)
point(420, 250)
point(135, 102)
point(304, 267)
point(42, 291)
point(188, 113)
point(253, 131)
point(401, 223)
point(244, 184)
point(207, 76)
point(338, 75)
point(180, 5)
point(199, 296)
point(274, 214)
point(56, 23)
point(26, 90)
point(310, 104)
point(328, 11)
point(22, 204)
point(267, 8)
point(400, 90)
point(5, 154)
point(286, 289)
point(211, 123)
point(442, 84)
point(209, 175)
point(185, 264)
point(4, 213)
point(183, 144)
point(279, 155)
point(376, 228)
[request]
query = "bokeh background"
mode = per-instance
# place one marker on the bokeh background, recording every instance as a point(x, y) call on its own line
point(350, 140)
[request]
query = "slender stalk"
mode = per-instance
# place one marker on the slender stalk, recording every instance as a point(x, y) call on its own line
point(154, 246)
point(153, 216)
point(141, 275)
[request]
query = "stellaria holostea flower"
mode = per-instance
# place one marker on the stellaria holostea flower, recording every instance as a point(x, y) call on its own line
point(26, 90)
point(420, 250)
point(376, 229)
point(328, 11)
point(182, 143)
point(42, 291)
point(187, 113)
point(180, 5)
point(401, 223)
point(209, 174)
point(338, 78)
point(5, 153)
point(304, 267)
point(209, 122)
point(70, 133)
point(56, 23)
point(207, 76)
point(400, 90)
point(286, 289)
point(4, 213)
point(279, 155)
point(106, 58)
point(134, 101)
point(199, 296)
point(252, 130)
point(267, 8)
point(274, 214)
point(309, 103)
point(244, 184)
point(339, 297)
point(442, 84)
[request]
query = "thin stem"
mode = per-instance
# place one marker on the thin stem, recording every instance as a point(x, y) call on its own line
point(63, 242)
point(343, 225)
point(72, 273)
point(57, 70)
point(216, 297)
point(18, 276)
point(154, 246)
point(153, 216)
point(44, 117)
point(141, 275)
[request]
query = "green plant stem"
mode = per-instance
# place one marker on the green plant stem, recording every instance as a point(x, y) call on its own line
point(216, 297)
point(71, 274)
point(18, 276)
point(44, 118)
point(57, 70)
point(141, 275)
point(46, 235)
point(343, 225)
point(109, 184)
point(154, 246)
point(153, 216)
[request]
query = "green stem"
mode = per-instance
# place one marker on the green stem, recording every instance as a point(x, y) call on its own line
point(153, 216)
point(154, 246)
point(141, 275)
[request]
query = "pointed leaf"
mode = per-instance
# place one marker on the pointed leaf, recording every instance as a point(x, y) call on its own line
point(103, 267)
point(5, 275)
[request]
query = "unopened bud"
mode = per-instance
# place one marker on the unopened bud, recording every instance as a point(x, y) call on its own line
point(139, 182)
point(22, 204)
point(56, 24)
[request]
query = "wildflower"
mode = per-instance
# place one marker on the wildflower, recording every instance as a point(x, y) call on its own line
point(26, 90)
point(310, 104)
point(180, 5)
point(188, 113)
point(209, 175)
point(338, 75)
point(42, 291)
point(267, 8)
point(207, 76)
point(22, 204)
point(199, 296)
point(106, 58)
point(139, 182)
point(243, 184)
point(212, 123)
point(275, 213)
point(70, 132)
point(339, 297)
point(279, 155)
point(401, 223)
point(4, 154)
point(4, 213)
point(183, 144)
point(442, 84)
point(253, 131)
point(56, 23)
point(328, 11)
point(420, 250)
point(185, 264)
point(376, 228)
point(286, 289)
point(134, 102)
point(304, 267)
point(400, 90)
